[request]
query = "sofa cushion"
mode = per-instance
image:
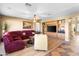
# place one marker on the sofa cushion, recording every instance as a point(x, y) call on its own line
point(17, 38)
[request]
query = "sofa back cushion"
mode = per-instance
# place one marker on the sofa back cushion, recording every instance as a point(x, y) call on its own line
point(24, 35)
point(16, 35)
point(27, 33)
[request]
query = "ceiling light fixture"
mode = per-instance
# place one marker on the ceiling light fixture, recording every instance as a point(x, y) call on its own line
point(36, 18)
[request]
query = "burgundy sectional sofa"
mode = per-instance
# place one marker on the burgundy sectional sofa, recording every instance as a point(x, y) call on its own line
point(13, 40)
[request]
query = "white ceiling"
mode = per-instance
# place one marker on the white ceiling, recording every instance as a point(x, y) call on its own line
point(43, 10)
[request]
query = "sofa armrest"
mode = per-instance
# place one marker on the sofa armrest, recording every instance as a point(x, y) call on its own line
point(14, 46)
point(6, 40)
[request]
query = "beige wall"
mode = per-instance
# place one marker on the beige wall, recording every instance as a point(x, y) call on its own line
point(0, 28)
point(14, 23)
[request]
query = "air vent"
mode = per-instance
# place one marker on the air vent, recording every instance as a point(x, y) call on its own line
point(28, 4)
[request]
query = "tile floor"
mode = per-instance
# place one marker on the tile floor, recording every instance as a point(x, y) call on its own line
point(67, 48)
point(62, 50)
point(2, 51)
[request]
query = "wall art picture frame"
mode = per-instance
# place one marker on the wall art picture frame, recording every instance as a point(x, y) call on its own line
point(27, 25)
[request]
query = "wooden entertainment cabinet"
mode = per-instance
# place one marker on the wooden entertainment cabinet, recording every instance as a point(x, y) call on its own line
point(58, 24)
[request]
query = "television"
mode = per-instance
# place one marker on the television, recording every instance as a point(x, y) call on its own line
point(51, 28)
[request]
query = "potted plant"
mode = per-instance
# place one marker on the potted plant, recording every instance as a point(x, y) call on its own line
point(5, 26)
